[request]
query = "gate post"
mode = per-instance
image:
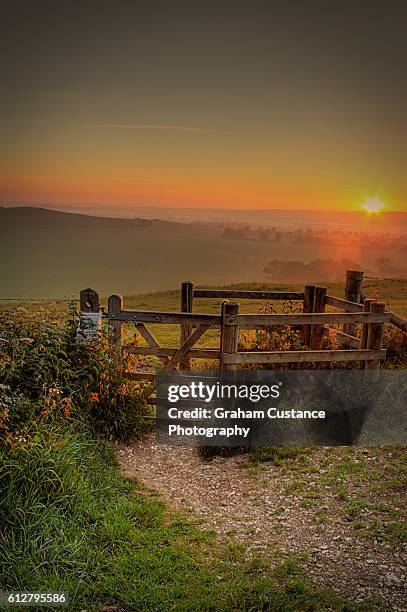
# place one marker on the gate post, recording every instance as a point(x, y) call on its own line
point(114, 307)
point(187, 298)
point(353, 293)
point(317, 331)
point(90, 323)
point(365, 326)
point(229, 338)
point(89, 300)
point(375, 335)
point(309, 291)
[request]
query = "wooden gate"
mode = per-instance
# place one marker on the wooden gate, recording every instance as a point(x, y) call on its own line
point(315, 322)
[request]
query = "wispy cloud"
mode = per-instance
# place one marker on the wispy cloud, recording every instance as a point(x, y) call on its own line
point(110, 126)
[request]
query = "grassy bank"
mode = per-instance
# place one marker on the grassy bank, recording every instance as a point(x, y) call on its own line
point(70, 522)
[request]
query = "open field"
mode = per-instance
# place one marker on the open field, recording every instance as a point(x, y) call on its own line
point(392, 291)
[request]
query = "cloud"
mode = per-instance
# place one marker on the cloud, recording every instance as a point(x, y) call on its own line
point(111, 126)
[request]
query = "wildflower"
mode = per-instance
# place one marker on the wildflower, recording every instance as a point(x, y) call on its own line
point(66, 405)
point(94, 396)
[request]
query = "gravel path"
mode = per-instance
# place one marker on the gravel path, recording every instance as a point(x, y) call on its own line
point(272, 510)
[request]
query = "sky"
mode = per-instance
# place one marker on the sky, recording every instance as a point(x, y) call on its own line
point(297, 105)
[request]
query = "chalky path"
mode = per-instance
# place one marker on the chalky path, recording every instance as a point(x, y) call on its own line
point(277, 510)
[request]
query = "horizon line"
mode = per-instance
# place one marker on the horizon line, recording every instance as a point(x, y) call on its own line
point(80, 209)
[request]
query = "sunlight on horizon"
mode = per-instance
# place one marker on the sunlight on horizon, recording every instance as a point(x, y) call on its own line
point(373, 205)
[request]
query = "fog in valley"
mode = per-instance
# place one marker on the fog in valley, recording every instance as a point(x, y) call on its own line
point(46, 253)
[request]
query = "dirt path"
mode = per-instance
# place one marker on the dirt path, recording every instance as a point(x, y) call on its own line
point(283, 510)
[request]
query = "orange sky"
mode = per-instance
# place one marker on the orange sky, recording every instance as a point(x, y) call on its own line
point(265, 108)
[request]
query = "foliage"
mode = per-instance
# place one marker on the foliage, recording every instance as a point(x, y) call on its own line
point(46, 374)
point(284, 338)
point(396, 343)
point(273, 338)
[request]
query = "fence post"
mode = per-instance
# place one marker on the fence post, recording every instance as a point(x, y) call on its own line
point(89, 300)
point(375, 335)
point(90, 323)
point(353, 293)
point(365, 326)
point(309, 291)
point(317, 331)
point(114, 307)
point(187, 298)
point(229, 338)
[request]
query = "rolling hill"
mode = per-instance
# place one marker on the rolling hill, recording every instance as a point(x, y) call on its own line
point(46, 253)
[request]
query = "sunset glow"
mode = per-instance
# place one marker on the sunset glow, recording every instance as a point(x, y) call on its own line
point(201, 108)
point(373, 205)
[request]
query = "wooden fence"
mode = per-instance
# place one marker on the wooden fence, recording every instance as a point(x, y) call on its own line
point(360, 337)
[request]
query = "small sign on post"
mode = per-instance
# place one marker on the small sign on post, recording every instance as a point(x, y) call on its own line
point(89, 329)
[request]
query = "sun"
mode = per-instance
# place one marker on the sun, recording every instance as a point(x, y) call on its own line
point(373, 205)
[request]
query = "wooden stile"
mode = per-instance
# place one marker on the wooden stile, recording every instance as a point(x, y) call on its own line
point(315, 323)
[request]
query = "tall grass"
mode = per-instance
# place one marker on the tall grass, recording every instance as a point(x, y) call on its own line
point(70, 522)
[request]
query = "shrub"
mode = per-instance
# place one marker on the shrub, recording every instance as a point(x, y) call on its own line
point(45, 374)
point(396, 343)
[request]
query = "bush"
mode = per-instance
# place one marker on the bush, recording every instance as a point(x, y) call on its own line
point(45, 374)
point(288, 338)
point(396, 343)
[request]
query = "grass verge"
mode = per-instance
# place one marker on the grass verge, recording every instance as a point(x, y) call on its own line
point(71, 522)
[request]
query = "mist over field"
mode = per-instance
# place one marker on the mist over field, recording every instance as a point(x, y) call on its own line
point(55, 254)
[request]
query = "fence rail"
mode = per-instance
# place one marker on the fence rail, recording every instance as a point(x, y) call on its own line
point(258, 321)
point(303, 356)
point(237, 294)
point(166, 318)
point(395, 319)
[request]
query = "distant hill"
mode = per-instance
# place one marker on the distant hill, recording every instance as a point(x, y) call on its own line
point(47, 253)
point(29, 218)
